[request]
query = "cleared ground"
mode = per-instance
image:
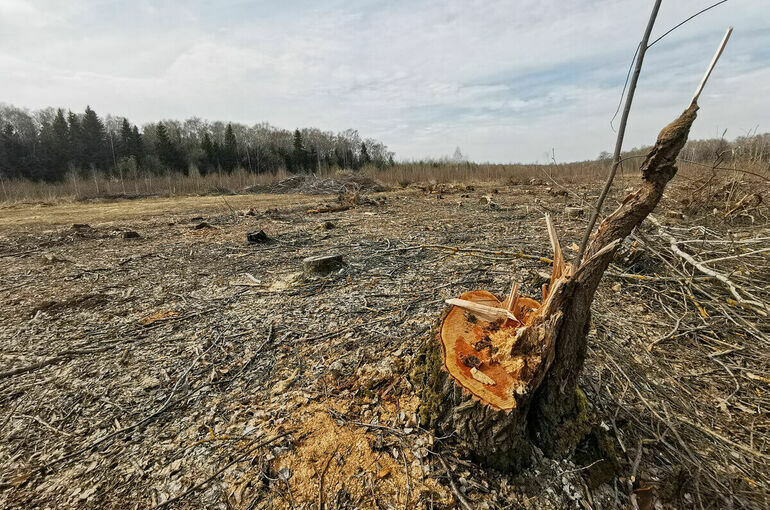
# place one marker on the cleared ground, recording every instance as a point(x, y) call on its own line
point(187, 368)
point(67, 213)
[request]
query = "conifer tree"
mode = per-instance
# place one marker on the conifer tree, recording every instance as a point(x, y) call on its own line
point(208, 160)
point(365, 159)
point(17, 155)
point(299, 152)
point(61, 142)
point(168, 153)
point(94, 140)
point(124, 148)
point(75, 140)
point(137, 144)
point(229, 158)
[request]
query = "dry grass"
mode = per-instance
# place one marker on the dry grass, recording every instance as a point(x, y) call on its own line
point(400, 175)
point(67, 212)
point(100, 186)
point(403, 174)
point(409, 173)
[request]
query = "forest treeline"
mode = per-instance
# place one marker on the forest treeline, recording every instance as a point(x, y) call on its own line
point(52, 144)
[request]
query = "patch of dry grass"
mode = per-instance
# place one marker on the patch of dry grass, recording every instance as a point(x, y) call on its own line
point(62, 213)
point(399, 175)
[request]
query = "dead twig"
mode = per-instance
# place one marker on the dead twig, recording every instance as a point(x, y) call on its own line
point(754, 303)
point(455, 490)
point(220, 471)
point(321, 479)
point(642, 49)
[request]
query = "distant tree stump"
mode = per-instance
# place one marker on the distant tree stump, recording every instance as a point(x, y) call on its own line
point(322, 264)
point(257, 237)
point(573, 212)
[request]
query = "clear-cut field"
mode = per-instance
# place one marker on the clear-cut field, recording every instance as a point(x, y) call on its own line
point(133, 370)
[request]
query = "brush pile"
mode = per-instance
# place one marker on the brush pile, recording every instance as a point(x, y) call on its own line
point(312, 184)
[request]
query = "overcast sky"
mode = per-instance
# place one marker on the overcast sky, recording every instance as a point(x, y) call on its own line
point(504, 80)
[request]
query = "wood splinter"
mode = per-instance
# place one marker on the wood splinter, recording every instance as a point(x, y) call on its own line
point(506, 369)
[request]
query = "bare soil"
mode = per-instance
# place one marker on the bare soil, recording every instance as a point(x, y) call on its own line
point(186, 368)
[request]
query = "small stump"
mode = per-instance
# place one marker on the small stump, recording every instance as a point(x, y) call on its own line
point(322, 264)
point(573, 212)
point(257, 237)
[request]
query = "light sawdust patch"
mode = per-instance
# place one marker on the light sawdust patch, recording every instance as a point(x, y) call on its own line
point(357, 471)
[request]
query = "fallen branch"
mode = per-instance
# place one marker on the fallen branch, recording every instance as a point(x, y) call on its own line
point(35, 366)
point(335, 208)
point(754, 304)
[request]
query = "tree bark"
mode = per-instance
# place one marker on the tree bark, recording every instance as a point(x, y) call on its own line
point(550, 410)
point(491, 437)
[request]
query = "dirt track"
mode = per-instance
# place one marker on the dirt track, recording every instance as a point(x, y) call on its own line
point(136, 369)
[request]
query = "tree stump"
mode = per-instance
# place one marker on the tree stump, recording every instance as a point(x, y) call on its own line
point(573, 212)
point(486, 435)
point(500, 377)
point(257, 237)
point(322, 264)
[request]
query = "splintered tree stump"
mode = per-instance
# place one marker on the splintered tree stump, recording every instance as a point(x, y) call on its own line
point(322, 264)
point(486, 358)
point(499, 377)
point(482, 433)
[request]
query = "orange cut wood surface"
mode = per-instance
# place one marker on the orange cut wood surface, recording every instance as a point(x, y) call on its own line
point(465, 337)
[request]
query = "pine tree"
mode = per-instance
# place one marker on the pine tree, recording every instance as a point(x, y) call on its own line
point(44, 159)
point(124, 145)
point(217, 153)
point(365, 159)
point(168, 153)
point(4, 164)
point(208, 160)
point(16, 154)
point(229, 157)
point(75, 130)
point(94, 140)
point(61, 142)
point(300, 162)
point(137, 144)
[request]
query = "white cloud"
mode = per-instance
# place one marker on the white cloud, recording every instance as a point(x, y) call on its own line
point(505, 81)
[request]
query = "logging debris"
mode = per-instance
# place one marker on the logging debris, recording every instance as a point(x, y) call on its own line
point(697, 402)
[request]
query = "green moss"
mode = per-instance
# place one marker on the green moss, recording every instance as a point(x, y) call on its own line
point(430, 380)
point(576, 428)
point(594, 447)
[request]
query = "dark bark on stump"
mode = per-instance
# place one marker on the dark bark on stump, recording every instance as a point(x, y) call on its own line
point(554, 404)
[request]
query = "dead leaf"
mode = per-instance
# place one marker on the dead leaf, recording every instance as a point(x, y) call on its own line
point(285, 384)
point(19, 480)
point(755, 377)
point(157, 316)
